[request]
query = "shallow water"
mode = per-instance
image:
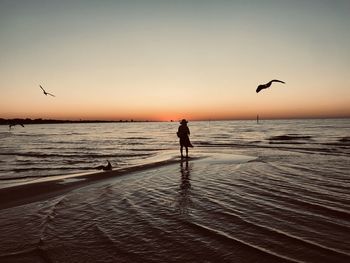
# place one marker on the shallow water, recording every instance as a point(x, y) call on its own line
point(56, 149)
point(277, 191)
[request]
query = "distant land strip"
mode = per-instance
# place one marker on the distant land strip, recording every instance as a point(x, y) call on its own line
point(52, 121)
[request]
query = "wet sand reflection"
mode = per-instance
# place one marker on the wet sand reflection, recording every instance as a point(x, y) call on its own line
point(184, 198)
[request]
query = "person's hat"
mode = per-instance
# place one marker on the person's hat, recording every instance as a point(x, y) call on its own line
point(184, 121)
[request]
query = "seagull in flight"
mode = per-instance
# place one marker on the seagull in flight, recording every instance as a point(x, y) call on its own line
point(267, 85)
point(46, 93)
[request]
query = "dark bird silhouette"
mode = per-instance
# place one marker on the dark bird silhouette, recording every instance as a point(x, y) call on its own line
point(46, 93)
point(108, 167)
point(267, 85)
point(14, 124)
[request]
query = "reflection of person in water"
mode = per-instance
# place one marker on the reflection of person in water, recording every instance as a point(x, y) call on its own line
point(183, 133)
point(185, 186)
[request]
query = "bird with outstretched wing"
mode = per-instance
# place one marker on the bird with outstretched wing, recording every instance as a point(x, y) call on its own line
point(46, 93)
point(267, 85)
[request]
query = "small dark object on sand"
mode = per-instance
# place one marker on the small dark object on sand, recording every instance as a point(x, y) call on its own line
point(108, 167)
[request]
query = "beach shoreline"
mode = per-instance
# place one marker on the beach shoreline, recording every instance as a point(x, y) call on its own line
point(179, 209)
point(45, 188)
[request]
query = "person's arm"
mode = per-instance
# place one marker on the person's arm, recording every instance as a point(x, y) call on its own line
point(178, 132)
point(188, 131)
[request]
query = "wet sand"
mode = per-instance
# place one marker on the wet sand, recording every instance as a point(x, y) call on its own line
point(44, 188)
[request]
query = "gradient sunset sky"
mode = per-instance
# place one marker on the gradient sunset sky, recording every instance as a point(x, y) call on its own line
point(162, 60)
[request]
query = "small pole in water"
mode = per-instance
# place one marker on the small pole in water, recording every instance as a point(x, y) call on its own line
point(257, 119)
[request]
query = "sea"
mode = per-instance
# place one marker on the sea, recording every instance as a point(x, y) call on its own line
point(273, 191)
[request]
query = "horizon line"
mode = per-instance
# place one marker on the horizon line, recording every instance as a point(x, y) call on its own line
point(2, 120)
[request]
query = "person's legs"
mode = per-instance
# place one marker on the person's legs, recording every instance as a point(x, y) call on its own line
point(181, 151)
point(186, 152)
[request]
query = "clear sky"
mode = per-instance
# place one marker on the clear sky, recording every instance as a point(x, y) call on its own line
point(162, 60)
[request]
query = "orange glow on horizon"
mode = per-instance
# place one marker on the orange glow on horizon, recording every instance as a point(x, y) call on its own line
point(194, 114)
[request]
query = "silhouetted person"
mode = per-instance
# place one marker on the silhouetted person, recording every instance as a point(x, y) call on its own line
point(183, 133)
point(267, 85)
point(108, 167)
point(46, 93)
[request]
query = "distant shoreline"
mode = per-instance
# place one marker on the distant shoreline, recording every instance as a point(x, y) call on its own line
point(55, 121)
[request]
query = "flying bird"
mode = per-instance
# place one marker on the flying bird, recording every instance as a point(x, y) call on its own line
point(267, 85)
point(46, 93)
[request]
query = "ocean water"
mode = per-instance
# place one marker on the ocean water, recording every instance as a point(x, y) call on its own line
point(277, 191)
point(57, 149)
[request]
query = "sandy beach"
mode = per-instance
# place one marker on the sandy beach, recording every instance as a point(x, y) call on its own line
point(204, 209)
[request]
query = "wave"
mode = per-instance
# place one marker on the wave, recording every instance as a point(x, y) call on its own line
point(345, 139)
point(344, 142)
point(288, 137)
point(36, 254)
point(279, 235)
point(61, 168)
point(75, 155)
point(265, 253)
point(139, 138)
point(292, 146)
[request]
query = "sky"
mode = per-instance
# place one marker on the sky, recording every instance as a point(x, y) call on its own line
point(164, 60)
